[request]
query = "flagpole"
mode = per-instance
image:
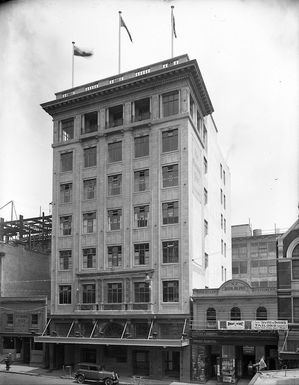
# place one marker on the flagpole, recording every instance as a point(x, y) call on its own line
point(172, 31)
point(73, 64)
point(119, 41)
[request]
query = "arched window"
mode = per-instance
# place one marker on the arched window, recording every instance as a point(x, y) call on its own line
point(261, 313)
point(295, 253)
point(235, 314)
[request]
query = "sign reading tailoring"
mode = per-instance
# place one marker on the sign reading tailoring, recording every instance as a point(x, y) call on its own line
point(253, 325)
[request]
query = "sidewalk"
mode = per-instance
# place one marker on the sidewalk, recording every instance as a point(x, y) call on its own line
point(60, 373)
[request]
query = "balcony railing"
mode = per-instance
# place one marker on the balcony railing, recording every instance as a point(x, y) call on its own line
point(144, 306)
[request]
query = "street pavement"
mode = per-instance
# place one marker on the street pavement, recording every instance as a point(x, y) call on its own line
point(24, 374)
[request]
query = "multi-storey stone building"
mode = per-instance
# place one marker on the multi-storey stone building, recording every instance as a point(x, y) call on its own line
point(141, 203)
point(254, 255)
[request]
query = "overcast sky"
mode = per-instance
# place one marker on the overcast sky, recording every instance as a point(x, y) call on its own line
point(247, 52)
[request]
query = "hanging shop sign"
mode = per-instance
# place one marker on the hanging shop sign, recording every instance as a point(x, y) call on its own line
point(269, 325)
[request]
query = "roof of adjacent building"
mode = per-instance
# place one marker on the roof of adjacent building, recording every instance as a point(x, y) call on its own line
point(175, 68)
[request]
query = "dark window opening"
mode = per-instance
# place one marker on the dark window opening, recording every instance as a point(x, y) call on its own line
point(115, 115)
point(142, 109)
point(90, 122)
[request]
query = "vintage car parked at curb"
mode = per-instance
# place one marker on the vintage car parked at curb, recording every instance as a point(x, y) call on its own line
point(86, 371)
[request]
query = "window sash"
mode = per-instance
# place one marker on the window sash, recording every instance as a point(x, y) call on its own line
point(115, 152)
point(170, 211)
point(66, 225)
point(90, 157)
point(89, 223)
point(170, 291)
point(66, 161)
point(141, 253)
point(170, 103)
point(114, 219)
point(114, 293)
point(65, 259)
point(114, 256)
point(89, 293)
point(141, 146)
point(114, 184)
point(141, 180)
point(89, 188)
point(169, 140)
point(66, 130)
point(141, 292)
point(89, 258)
point(66, 192)
point(170, 175)
point(170, 251)
point(141, 216)
point(90, 122)
point(65, 293)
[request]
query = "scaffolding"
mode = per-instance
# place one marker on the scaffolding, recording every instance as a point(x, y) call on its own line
point(33, 233)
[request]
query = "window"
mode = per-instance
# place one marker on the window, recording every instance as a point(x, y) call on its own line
point(89, 223)
point(261, 313)
point(170, 103)
point(114, 218)
point(66, 131)
point(224, 250)
point(9, 319)
point(222, 273)
point(171, 291)
point(89, 258)
point(90, 122)
point(66, 225)
point(115, 116)
point(114, 256)
point(141, 254)
point(170, 140)
point(141, 146)
point(221, 196)
point(170, 251)
point(141, 109)
point(141, 216)
point(224, 179)
point(221, 246)
point(285, 309)
point(89, 293)
point(170, 175)
point(239, 267)
point(114, 292)
point(65, 294)
point(199, 123)
point(206, 260)
point(115, 152)
point(221, 221)
point(206, 227)
point(90, 157)
point(224, 223)
point(141, 180)
point(296, 309)
point(235, 314)
point(205, 136)
point(224, 201)
point(114, 184)
point(65, 259)
point(142, 292)
point(170, 213)
point(211, 315)
point(66, 161)
point(34, 319)
point(225, 274)
point(191, 107)
point(89, 188)
point(221, 171)
point(205, 196)
point(205, 165)
point(295, 253)
point(66, 192)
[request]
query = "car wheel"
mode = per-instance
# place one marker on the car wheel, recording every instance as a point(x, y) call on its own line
point(80, 379)
point(108, 381)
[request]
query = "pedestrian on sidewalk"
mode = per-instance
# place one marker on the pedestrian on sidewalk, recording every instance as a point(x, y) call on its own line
point(8, 361)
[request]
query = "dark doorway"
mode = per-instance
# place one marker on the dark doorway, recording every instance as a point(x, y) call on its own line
point(58, 356)
point(26, 350)
point(141, 362)
point(172, 363)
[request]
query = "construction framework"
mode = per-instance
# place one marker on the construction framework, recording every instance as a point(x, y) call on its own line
point(34, 233)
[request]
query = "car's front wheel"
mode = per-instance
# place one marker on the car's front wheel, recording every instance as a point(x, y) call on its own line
point(80, 379)
point(108, 381)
